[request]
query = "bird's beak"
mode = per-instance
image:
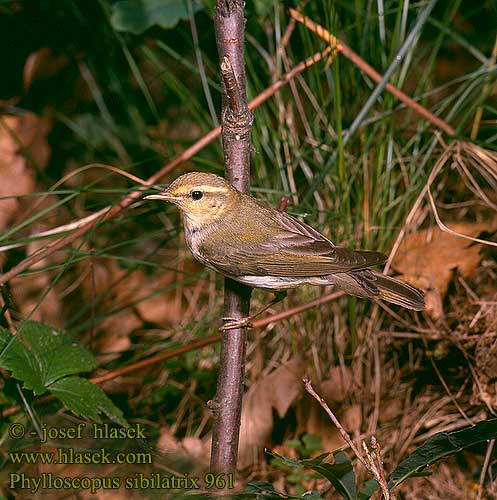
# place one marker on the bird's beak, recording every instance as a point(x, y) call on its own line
point(164, 196)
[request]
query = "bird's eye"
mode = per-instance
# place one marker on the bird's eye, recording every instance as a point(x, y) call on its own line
point(197, 195)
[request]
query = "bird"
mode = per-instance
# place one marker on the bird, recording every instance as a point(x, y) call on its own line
point(250, 242)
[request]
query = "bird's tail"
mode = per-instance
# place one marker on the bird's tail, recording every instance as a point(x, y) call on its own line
point(398, 292)
point(375, 285)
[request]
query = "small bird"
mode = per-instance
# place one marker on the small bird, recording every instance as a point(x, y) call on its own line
point(251, 242)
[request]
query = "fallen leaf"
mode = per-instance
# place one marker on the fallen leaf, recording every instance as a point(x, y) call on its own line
point(337, 385)
point(312, 419)
point(390, 410)
point(115, 289)
point(42, 63)
point(164, 307)
point(190, 453)
point(278, 391)
point(112, 288)
point(35, 296)
point(428, 259)
point(22, 137)
point(352, 419)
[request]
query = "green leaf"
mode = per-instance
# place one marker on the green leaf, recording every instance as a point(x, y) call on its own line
point(39, 355)
point(442, 445)
point(18, 359)
point(370, 487)
point(58, 354)
point(259, 487)
point(86, 399)
point(340, 474)
point(261, 490)
point(42, 357)
point(136, 16)
point(293, 443)
point(312, 443)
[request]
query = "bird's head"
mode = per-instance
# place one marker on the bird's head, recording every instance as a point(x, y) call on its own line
point(203, 198)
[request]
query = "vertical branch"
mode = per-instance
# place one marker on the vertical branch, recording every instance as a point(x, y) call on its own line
point(236, 125)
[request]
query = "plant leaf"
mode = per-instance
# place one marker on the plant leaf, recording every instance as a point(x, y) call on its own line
point(86, 399)
point(370, 487)
point(261, 490)
point(39, 355)
point(340, 473)
point(442, 445)
point(137, 16)
point(18, 359)
point(58, 354)
point(42, 357)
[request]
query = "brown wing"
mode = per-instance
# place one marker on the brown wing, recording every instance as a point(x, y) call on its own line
point(288, 248)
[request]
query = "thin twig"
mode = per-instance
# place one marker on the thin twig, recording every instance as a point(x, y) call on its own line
point(72, 225)
point(343, 432)
point(484, 469)
point(455, 149)
point(372, 462)
point(57, 230)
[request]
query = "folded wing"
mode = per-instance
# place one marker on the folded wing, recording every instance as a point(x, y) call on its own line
point(294, 250)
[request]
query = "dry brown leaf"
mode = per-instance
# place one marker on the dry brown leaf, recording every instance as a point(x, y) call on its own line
point(428, 258)
point(22, 138)
point(27, 291)
point(337, 390)
point(352, 419)
point(189, 450)
point(312, 419)
point(118, 288)
point(278, 390)
point(337, 386)
point(42, 63)
point(390, 410)
point(163, 307)
point(106, 278)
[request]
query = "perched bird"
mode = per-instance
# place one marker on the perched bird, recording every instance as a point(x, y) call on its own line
point(251, 242)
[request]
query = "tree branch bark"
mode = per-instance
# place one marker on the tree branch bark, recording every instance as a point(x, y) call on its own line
point(236, 126)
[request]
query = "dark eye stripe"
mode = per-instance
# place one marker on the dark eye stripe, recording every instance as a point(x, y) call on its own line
point(196, 195)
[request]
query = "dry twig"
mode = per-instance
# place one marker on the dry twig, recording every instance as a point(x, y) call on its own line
point(372, 460)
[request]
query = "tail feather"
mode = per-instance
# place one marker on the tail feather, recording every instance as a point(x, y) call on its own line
point(400, 293)
point(374, 285)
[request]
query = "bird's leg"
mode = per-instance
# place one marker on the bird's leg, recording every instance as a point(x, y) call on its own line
point(234, 323)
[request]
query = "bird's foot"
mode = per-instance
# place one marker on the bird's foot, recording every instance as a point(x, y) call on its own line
point(235, 324)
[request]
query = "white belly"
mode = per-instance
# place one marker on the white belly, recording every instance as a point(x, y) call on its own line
point(280, 282)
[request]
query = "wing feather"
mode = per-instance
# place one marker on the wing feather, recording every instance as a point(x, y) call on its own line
point(286, 247)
